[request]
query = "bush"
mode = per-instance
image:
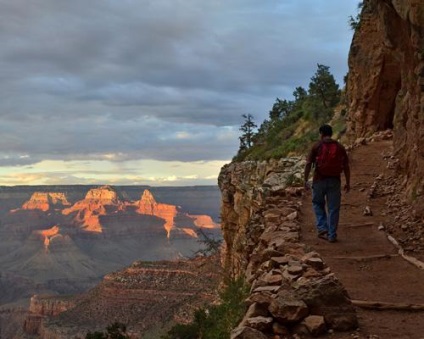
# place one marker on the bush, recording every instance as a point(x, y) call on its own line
point(215, 322)
point(114, 331)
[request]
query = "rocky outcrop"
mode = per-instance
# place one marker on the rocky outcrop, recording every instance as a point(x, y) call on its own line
point(50, 305)
point(45, 201)
point(386, 82)
point(148, 205)
point(42, 307)
point(94, 205)
point(292, 289)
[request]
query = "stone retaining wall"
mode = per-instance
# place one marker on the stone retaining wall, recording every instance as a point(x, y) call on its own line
point(292, 289)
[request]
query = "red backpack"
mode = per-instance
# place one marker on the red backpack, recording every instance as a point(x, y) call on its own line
point(330, 159)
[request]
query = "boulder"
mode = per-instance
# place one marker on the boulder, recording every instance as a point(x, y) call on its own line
point(244, 332)
point(315, 324)
point(286, 308)
point(327, 297)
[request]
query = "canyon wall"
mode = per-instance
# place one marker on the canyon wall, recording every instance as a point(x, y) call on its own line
point(292, 291)
point(385, 85)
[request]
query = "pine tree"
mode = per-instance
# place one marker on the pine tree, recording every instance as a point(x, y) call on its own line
point(324, 88)
point(248, 127)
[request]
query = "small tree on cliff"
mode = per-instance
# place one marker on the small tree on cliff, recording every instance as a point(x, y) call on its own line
point(211, 245)
point(248, 132)
point(355, 22)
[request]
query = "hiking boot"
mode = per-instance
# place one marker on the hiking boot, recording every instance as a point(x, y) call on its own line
point(332, 240)
point(322, 235)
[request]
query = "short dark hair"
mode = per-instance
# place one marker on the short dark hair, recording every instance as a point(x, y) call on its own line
point(326, 130)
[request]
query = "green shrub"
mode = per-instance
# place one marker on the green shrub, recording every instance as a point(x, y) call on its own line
point(217, 321)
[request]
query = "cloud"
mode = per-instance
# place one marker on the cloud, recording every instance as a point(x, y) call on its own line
point(165, 80)
point(125, 172)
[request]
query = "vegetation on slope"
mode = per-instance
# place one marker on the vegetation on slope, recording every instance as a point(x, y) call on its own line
point(293, 125)
point(216, 321)
point(355, 21)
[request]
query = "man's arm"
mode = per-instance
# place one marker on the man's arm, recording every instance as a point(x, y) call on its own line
point(308, 167)
point(346, 171)
point(309, 160)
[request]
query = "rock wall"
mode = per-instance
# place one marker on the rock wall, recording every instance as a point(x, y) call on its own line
point(386, 81)
point(292, 290)
point(243, 186)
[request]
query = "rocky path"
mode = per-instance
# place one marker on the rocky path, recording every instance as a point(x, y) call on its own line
point(365, 261)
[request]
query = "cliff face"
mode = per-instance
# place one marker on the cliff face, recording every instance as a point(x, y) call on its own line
point(243, 186)
point(292, 290)
point(386, 81)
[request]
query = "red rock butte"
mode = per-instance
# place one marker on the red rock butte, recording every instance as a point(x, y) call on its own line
point(104, 201)
point(44, 201)
point(148, 205)
point(92, 207)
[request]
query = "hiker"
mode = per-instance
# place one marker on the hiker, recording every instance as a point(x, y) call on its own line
point(329, 159)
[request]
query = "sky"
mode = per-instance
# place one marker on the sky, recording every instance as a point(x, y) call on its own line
point(151, 92)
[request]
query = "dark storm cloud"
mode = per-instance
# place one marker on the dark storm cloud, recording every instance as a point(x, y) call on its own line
point(162, 79)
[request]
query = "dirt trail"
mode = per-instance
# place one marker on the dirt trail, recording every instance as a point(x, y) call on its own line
point(387, 279)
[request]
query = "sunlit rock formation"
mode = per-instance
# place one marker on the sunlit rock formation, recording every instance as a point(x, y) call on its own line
point(203, 221)
point(148, 205)
point(47, 235)
point(45, 201)
point(94, 205)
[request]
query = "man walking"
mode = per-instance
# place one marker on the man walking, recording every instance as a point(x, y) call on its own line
point(329, 159)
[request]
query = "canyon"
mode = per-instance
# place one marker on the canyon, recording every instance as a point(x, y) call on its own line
point(298, 285)
point(63, 240)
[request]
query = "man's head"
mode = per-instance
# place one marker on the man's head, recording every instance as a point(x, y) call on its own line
point(325, 131)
